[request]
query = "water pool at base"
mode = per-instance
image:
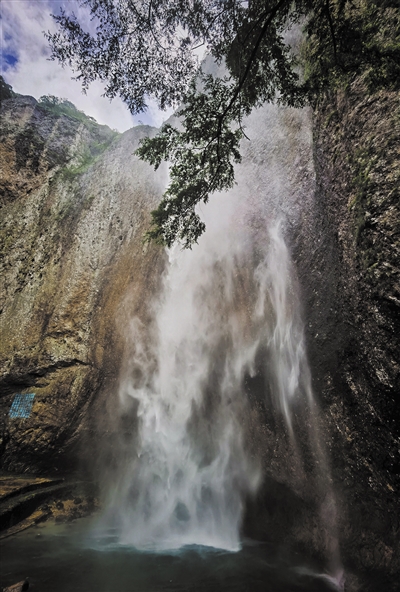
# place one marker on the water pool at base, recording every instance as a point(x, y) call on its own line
point(69, 558)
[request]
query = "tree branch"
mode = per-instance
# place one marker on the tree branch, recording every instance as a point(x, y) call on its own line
point(328, 13)
point(253, 54)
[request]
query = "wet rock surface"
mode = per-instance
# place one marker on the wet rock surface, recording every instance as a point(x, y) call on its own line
point(348, 256)
point(29, 500)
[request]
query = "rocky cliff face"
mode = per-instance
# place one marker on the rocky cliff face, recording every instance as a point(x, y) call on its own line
point(348, 257)
point(75, 205)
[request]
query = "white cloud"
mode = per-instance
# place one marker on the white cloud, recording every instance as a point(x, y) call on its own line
point(23, 23)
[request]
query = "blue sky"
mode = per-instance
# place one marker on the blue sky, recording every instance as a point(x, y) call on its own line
point(25, 64)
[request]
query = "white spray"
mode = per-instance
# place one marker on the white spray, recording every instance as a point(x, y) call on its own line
point(187, 474)
point(190, 471)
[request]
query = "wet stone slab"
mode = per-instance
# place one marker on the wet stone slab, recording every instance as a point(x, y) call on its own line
point(11, 485)
point(25, 501)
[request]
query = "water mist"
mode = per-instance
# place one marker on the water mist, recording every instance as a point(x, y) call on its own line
point(185, 474)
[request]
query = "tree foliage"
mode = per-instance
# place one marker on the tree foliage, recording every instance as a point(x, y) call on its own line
point(6, 92)
point(145, 49)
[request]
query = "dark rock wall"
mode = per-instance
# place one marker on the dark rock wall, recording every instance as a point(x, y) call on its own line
point(347, 252)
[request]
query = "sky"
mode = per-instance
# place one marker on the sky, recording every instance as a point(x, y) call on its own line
point(25, 64)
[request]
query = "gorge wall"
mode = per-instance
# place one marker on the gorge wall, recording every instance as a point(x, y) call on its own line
point(75, 205)
point(348, 259)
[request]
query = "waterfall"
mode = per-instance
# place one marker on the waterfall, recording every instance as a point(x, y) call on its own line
point(228, 311)
point(191, 469)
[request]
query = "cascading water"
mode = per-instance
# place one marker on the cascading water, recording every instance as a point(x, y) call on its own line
point(190, 470)
point(231, 301)
point(288, 373)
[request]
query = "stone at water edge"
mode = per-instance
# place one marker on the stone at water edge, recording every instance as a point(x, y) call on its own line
point(19, 587)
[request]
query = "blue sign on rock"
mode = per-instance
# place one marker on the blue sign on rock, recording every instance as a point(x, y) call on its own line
point(22, 405)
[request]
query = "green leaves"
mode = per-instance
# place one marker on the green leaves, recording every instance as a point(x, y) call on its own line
point(143, 49)
point(147, 48)
point(202, 156)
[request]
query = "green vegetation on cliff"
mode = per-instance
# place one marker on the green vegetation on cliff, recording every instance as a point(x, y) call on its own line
point(102, 135)
point(64, 107)
point(361, 38)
